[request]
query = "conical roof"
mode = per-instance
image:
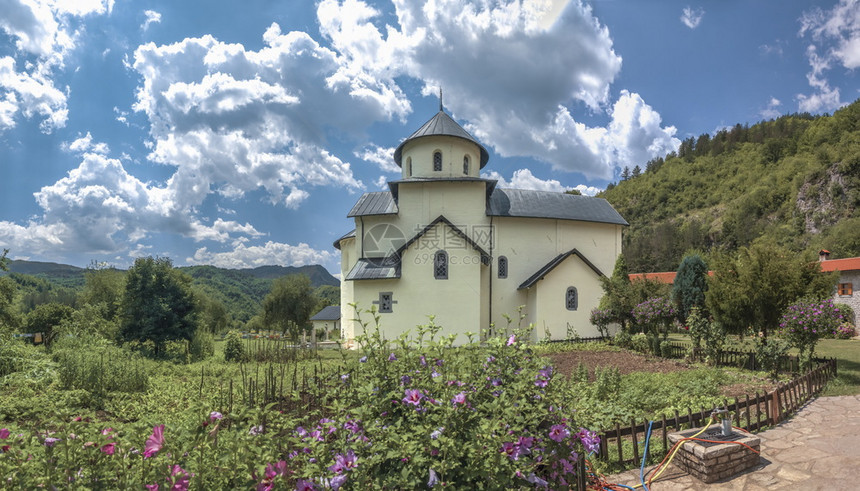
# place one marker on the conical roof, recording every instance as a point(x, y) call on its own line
point(441, 124)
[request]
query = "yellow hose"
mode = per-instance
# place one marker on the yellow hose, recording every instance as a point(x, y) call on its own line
point(674, 452)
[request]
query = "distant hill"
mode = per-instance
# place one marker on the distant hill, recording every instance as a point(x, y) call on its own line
point(792, 181)
point(240, 290)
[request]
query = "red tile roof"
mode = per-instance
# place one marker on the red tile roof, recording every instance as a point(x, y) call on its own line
point(667, 277)
point(847, 264)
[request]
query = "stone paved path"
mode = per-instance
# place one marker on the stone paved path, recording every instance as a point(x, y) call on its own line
point(818, 448)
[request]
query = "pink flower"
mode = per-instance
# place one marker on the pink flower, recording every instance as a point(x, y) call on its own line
point(304, 485)
point(180, 477)
point(109, 448)
point(512, 339)
point(4, 433)
point(344, 463)
point(154, 442)
point(459, 398)
point(413, 396)
point(151, 487)
point(558, 433)
point(215, 415)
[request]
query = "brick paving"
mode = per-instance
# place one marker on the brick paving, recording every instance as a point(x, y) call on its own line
point(817, 448)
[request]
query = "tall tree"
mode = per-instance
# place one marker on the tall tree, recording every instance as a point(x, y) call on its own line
point(8, 291)
point(691, 283)
point(157, 304)
point(618, 296)
point(103, 285)
point(45, 318)
point(290, 305)
point(753, 287)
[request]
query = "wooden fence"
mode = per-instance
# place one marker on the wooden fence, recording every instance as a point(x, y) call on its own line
point(732, 358)
point(750, 413)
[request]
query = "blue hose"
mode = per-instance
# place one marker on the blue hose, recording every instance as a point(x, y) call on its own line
point(644, 457)
point(623, 486)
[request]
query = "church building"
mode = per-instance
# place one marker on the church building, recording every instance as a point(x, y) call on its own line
point(444, 241)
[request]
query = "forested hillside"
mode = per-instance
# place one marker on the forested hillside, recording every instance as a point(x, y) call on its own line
point(240, 291)
point(793, 181)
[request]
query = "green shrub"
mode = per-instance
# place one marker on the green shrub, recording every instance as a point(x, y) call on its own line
point(202, 345)
point(639, 342)
point(623, 339)
point(607, 381)
point(14, 354)
point(769, 353)
point(666, 349)
point(234, 350)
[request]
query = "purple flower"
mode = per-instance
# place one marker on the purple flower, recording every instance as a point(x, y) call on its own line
point(352, 425)
point(434, 479)
point(344, 462)
point(405, 379)
point(536, 480)
point(459, 398)
point(589, 439)
point(304, 485)
point(215, 415)
point(413, 396)
point(391, 357)
point(363, 359)
point(51, 441)
point(558, 433)
point(256, 430)
point(437, 433)
point(337, 481)
point(180, 478)
point(512, 339)
point(4, 433)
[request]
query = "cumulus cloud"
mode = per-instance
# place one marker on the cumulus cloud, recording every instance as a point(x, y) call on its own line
point(152, 17)
point(381, 156)
point(525, 110)
point(691, 17)
point(43, 37)
point(772, 109)
point(524, 179)
point(243, 256)
point(99, 207)
point(836, 41)
point(587, 190)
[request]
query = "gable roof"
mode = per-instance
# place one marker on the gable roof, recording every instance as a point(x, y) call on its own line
point(375, 203)
point(383, 268)
point(551, 204)
point(847, 264)
point(441, 125)
point(548, 267)
point(485, 257)
point(330, 313)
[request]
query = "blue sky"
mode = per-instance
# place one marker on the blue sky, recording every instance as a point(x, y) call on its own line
point(239, 134)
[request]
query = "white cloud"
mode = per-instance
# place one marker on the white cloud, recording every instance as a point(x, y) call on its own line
point(381, 156)
point(43, 38)
point(526, 110)
point(524, 179)
point(772, 109)
point(587, 190)
point(243, 256)
point(152, 17)
point(836, 34)
point(85, 144)
point(692, 17)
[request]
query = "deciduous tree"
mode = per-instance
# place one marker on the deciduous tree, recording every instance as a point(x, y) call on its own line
point(157, 304)
point(290, 305)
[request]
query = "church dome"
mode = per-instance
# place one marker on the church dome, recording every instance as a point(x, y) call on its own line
point(441, 125)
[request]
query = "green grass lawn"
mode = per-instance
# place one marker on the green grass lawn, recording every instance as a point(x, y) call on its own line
point(846, 352)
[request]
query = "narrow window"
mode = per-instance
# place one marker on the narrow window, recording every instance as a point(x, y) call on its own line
point(437, 161)
point(503, 267)
point(386, 302)
point(571, 299)
point(440, 265)
point(409, 167)
point(846, 289)
point(466, 165)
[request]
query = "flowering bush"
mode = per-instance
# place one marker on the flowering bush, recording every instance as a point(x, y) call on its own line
point(805, 322)
point(845, 331)
point(655, 314)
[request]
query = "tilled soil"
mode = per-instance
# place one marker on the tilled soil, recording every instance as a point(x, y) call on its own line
point(627, 362)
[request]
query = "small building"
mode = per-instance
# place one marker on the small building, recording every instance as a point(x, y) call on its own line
point(327, 320)
point(444, 241)
point(849, 275)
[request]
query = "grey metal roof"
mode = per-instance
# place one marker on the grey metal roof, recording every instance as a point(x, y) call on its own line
point(545, 270)
point(347, 235)
point(551, 204)
point(330, 313)
point(375, 269)
point(441, 124)
point(375, 203)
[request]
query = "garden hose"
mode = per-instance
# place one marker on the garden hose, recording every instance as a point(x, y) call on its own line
point(645, 457)
point(671, 455)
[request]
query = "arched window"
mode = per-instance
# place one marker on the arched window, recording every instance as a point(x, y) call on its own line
point(571, 299)
point(437, 161)
point(466, 165)
point(409, 167)
point(440, 265)
point(503, 267)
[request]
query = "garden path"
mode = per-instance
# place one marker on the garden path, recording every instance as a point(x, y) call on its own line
point(818, 448)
